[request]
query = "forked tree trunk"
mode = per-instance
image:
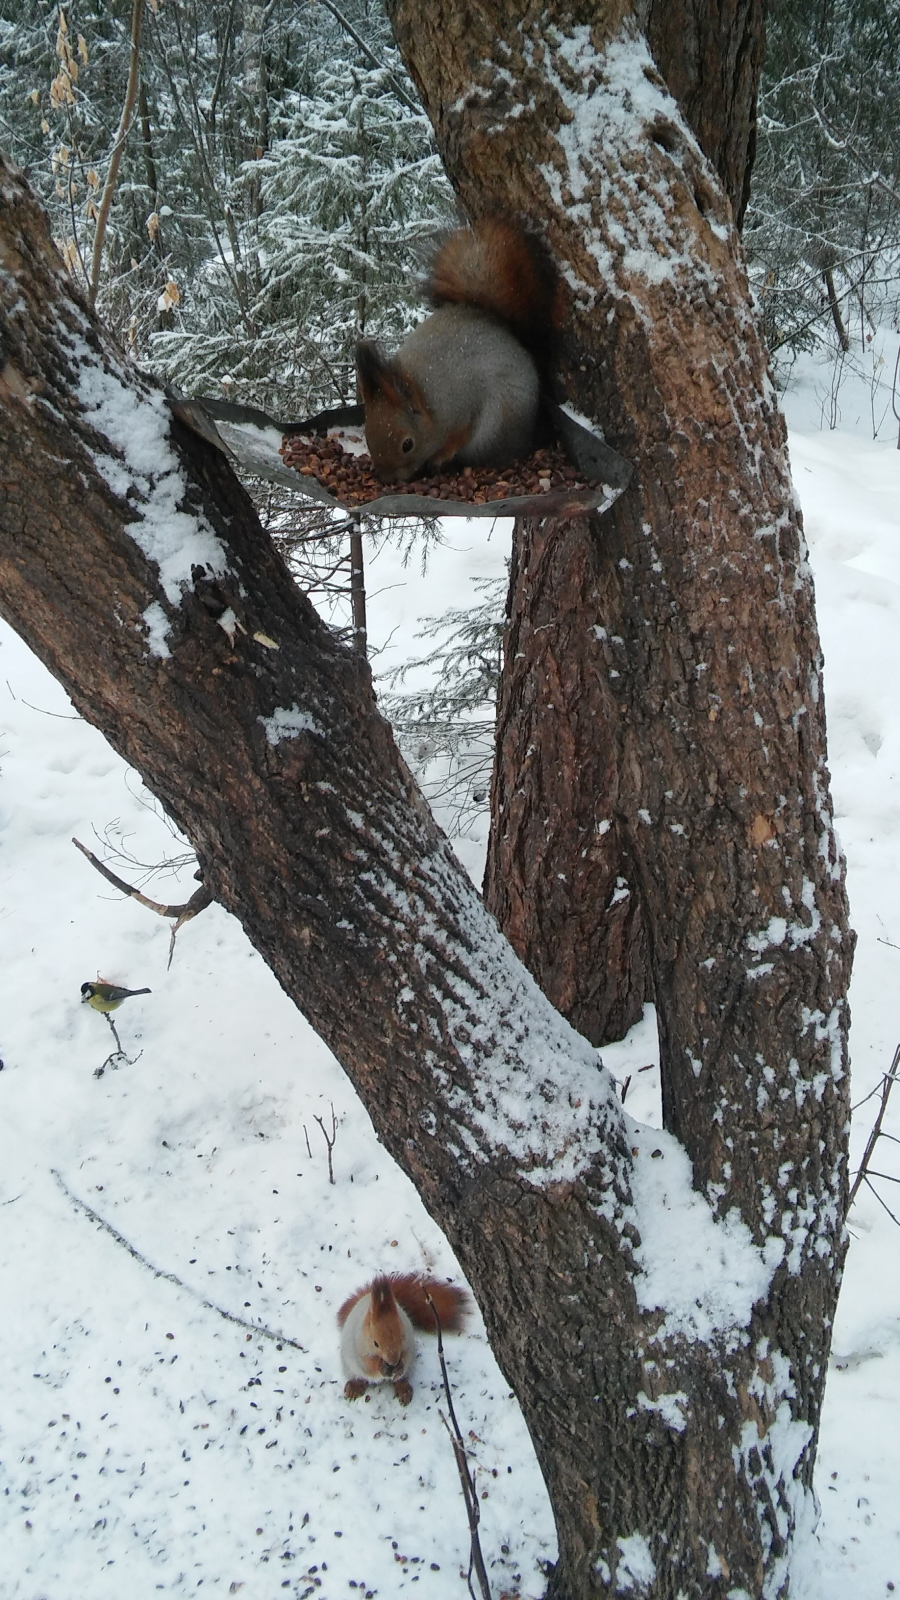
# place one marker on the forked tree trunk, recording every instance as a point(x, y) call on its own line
point(674, 1414)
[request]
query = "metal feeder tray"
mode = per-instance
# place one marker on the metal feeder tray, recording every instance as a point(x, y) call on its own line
point(253, 439)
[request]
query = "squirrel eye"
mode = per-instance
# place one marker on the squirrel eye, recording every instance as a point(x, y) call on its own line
point(407, 446)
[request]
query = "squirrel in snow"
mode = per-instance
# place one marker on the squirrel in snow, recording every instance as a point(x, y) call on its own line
point(465, 386)
point(378, 1342)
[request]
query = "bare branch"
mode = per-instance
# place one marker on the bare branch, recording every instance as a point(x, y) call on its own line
point(470, 1495)
point(115, 159)
point(200, 899)
point(370, 55)
point(329, 1140)
point(881, 1202)
point(887, 1084)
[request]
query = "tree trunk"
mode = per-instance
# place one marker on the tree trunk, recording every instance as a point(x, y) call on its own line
point(710, 53)
point(560, 877)
point(694, 720)
point(674, 1415)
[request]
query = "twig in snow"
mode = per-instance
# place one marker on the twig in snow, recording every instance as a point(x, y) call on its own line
point(306, 1137)
point(329, 1141)
point(200, 899)
point(170, 1277)
point(470, 1495)
point(887, 1084)
point(118, 1057)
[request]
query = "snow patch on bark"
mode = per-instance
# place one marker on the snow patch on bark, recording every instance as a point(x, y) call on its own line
point(771, 1464)
point(535, 1089)
point(143, 468)
point(157, 624)
point(287, 721)
point(614, 102)
point(703, 1273)
point(635, 1568)
point(531, 1087)
point(779, 929)
point(672, 1408)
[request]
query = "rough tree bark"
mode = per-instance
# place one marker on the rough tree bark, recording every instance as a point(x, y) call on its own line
point(710, 53)
point(674, 1421)
point(692, 597)
point(561, 879)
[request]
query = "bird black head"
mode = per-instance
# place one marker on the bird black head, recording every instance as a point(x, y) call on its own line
point(87, 990)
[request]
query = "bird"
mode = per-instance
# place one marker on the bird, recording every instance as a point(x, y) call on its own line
point(106, 997)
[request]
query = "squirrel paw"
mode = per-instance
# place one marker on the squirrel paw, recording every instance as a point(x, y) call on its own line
point(354, 1388)
point(403, 1391)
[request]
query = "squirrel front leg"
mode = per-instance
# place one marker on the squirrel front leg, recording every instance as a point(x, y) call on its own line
point(454, 442)
point(355, 1388)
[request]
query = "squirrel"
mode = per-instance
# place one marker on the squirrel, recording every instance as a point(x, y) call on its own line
point(378, 1342)
point(465, 386)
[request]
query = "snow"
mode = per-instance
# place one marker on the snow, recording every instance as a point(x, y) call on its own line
point(157, 625)
point(196, 1155)
point(146, 470)
point(705, 1274)
point(609, 100)
point(287, 721)
point(532, 1089)
point(636, 1566)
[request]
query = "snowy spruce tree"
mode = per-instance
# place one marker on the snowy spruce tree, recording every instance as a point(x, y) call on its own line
point(822, 225)
point(341, 198)
point(275, 182)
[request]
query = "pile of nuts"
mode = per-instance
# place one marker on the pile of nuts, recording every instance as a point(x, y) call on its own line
point(352, 481)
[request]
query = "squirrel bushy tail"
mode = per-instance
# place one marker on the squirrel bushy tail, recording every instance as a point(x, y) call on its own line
point(410, 1292)
point(497, 267)
point(450, 1303)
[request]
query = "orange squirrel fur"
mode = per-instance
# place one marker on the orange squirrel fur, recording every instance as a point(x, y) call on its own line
point(500, 269)
point(378, 1343)
point(465, 386)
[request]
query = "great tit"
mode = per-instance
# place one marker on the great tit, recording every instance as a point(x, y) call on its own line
point(106, 997)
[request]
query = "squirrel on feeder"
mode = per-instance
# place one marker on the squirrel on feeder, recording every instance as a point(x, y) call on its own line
point(464, 388)
point(377, 1323)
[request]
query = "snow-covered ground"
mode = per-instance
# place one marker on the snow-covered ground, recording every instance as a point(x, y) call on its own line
point(129, 1461)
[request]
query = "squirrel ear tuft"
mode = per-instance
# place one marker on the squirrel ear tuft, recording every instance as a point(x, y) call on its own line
point(371, 368)
point(382, 379)
point(382, 1296)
